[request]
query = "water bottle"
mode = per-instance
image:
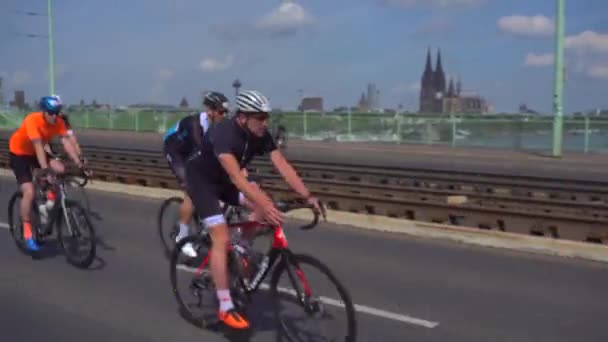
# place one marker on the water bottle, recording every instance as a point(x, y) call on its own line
point(42, 213)
point(45, 207)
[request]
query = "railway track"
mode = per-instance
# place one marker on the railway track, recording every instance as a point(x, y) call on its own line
point(556, 208)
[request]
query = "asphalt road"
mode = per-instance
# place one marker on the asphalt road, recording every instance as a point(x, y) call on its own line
point(524, 163)
point(464, 294)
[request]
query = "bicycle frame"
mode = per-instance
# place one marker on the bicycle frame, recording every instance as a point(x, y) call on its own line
point(58, 208)
point(278, 250)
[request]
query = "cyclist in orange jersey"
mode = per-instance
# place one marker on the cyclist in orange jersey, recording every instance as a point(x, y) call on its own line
point(26, 152)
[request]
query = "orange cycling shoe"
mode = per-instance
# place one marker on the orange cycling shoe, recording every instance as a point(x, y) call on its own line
point(233, 319)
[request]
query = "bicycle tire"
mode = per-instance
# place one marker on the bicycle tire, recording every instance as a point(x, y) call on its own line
point(167, 245)
point(16, 229)
point(199, 321)
point(75, 208)
point(296, 260)
point(16, 225)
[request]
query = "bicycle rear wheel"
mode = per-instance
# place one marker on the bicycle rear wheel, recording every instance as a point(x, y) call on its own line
point(16, 225)
point(78, 240)
point(192, 284)
point(290, 286)
point(168, 224)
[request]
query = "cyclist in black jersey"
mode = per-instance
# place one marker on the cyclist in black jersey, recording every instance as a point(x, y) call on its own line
point(182, 142)
point(216, 175)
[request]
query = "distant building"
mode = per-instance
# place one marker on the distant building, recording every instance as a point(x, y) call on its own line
point(363, 105)
point(438, 97)
point(19, 100)
point(311, 104)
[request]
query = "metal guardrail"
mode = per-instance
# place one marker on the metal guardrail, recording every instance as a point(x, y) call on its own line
point(568, 209)
point(581, 133)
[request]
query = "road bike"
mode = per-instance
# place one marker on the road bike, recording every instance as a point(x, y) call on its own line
point(75, 231)
point(248, 270)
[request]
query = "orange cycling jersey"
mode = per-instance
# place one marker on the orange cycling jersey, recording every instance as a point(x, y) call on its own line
point(34, 126)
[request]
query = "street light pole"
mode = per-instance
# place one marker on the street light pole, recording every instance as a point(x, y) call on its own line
point(51, 50)
point(558, 78)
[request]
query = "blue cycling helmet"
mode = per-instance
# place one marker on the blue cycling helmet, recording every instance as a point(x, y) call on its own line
point(51, 104)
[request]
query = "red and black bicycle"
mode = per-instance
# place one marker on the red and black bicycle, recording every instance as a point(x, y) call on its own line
point(295, 283)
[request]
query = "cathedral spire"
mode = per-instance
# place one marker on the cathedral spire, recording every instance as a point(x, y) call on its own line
point(439, 83)
point(451, 88)
point(429, 67)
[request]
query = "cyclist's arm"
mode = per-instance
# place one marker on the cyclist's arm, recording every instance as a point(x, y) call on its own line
point(71, 150)
point(40, 153)
point(289, 173)
point(230, 164)
point(47, 148)
point(74, 141)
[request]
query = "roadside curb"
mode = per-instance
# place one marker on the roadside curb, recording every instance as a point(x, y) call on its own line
point(466, 235)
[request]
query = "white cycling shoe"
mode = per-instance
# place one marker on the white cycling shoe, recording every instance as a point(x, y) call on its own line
point(188, 249)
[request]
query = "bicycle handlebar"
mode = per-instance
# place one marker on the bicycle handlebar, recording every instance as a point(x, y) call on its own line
point(286, 207)
point(79, 174)
point(72, 175)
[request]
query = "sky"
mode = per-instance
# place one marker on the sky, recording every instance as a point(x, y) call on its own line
point(129, 51)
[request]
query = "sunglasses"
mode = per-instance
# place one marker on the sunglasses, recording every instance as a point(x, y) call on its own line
point(260, 116)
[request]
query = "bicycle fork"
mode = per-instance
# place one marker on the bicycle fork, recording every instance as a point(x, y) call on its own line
point(299, 281)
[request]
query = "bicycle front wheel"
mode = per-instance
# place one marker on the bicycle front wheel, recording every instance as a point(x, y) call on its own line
point(77, 235)
point(328, 304)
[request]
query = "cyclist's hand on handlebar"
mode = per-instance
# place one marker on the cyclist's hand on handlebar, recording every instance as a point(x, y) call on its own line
point(317, 207)
point(48, 175)
point(272, 214)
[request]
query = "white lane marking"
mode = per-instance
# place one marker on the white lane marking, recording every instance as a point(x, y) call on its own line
point(360, 308)
point(330, 301)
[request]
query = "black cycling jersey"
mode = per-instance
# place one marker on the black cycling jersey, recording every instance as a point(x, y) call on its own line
point(228, 137)
point(187, 134)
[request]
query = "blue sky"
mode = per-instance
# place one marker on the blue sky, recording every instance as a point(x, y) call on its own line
point(127, 51)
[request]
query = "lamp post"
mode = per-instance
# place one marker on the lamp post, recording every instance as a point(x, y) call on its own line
point(51, 41)
point(558, 120)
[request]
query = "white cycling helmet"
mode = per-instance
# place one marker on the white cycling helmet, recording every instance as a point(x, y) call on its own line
point(252, 101)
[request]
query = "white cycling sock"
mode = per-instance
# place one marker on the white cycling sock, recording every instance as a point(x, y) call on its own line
point(183, 231)
point(225, 300)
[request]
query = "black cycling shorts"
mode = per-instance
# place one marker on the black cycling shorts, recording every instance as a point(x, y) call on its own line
point(206, 196)
point(22, 166)
point(176, 162)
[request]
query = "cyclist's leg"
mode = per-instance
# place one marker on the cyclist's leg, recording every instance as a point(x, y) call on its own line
point(206, 199)
point(176, 164)
point(22, 168)
point(185, 214)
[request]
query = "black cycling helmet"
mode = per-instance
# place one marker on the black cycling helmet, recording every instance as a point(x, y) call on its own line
point(216, 101)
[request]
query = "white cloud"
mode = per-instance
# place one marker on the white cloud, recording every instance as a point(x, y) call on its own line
point(286, 19)
point(437, 3)
point(529, 26)
point(166, 74)
point(588, 53)
point(538, 60)
point(588, 41)
point(214, 64)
